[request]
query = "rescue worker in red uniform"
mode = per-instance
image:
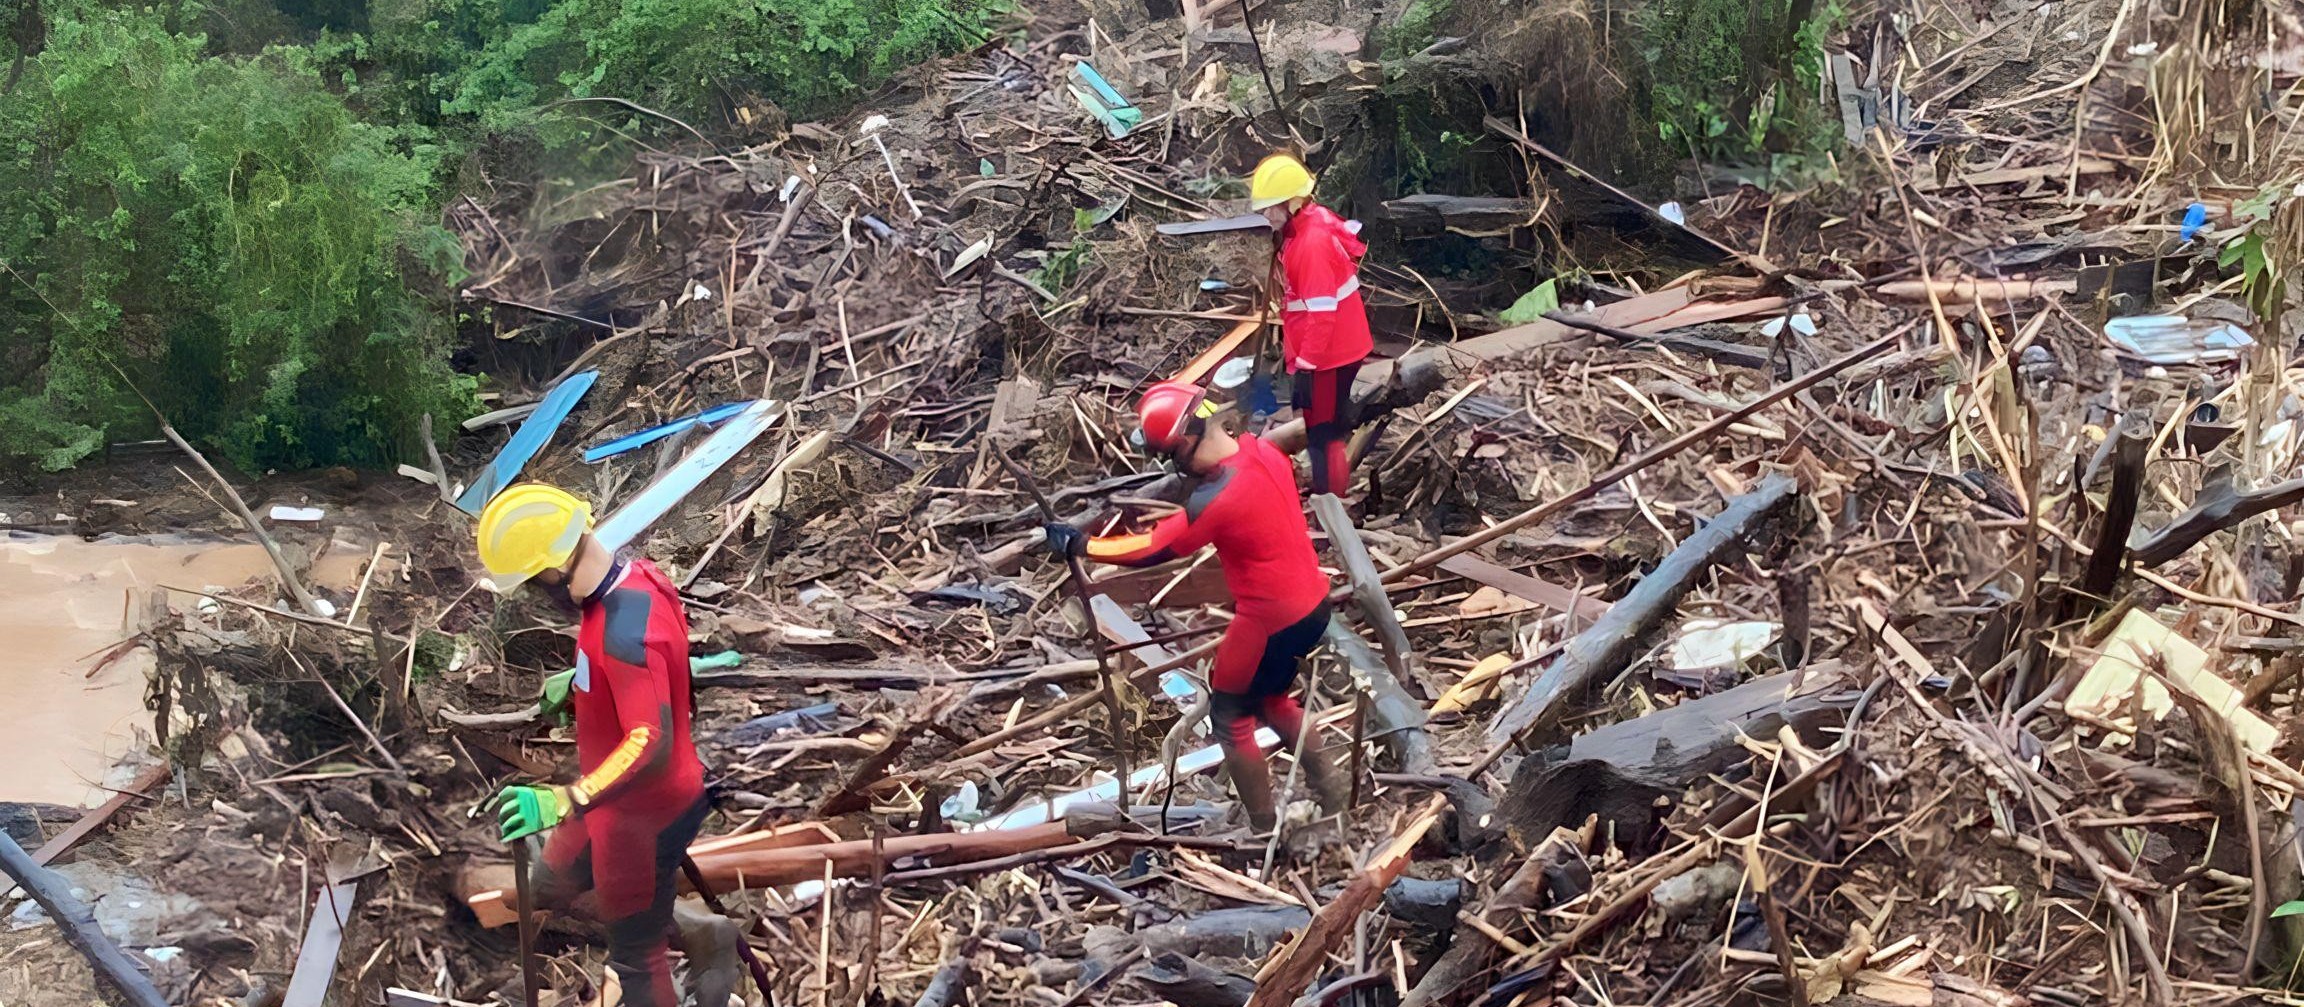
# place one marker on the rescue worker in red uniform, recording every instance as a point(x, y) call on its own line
point(625, 824)
point(1245, 504)
point(1323, 325)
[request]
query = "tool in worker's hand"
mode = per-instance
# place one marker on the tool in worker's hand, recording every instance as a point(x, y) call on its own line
point(524, 903)
point(1079, 570)
point(743, 946)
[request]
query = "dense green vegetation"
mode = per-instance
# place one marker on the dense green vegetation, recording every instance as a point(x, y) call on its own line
point(1731, 81)
point(237, 208)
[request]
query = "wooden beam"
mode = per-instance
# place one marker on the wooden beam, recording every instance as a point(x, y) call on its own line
point(1288, 972)
point(488, 890)
point(1604, 648)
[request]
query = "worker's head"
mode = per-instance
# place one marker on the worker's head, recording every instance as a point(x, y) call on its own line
point(533, 532)
point(1280, 187)
point(1176, 421)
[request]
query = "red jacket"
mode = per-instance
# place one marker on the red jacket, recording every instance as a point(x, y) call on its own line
point(1322, 322)
point(631, 696)
point(1248, 509)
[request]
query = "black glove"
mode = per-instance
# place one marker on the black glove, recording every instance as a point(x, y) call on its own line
point(1065, 540)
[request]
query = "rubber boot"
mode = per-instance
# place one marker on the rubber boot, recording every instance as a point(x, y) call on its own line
point(1252, 778)
point(1330, 783)
point(715, 969)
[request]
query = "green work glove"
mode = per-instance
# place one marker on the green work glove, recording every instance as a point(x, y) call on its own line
point(526, 811)
point(553, 700)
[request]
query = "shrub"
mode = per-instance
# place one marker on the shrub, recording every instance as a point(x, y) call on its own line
point(701, 58)
point(223, 231)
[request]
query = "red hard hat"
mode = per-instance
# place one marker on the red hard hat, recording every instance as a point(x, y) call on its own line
point(1166, 412)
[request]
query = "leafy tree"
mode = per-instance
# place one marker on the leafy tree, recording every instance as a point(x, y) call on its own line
point(223, 231)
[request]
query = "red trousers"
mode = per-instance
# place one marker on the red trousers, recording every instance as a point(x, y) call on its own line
point(1324, 398)
point(631, 865)
point(1255, 668)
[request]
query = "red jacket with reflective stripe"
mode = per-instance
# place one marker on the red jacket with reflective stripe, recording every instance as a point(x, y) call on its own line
point(1322, 322)
point(632, 672)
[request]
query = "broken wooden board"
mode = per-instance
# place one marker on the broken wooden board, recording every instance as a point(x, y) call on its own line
point(323, 939)
point(1224, 349)
point(1243, 222)
point(1475, 216)
point(1583, 607)
point(2140, 645)
point(72, 835)
point(1182, 585)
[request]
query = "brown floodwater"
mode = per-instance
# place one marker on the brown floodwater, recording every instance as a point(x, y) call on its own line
point(64, 601)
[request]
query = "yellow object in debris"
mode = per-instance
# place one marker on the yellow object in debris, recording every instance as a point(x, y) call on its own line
point(1476, 685)
point(2118, 679)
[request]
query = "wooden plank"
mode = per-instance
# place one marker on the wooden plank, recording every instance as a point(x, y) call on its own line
point(90, 822)
point(1202, 365)
point(1519, 585)
point(1121, 628)
point(1243, 222)
point(492, 904)
point(1291, 969)
point(323, 938)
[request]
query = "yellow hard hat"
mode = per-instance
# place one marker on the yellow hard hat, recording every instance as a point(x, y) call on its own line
point(528, 529)
point(1278, 179)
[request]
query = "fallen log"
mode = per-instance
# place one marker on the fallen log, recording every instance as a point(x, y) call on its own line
point(1394, 716)
point(1468, 955)
point(78, 925)
point(2219, 506)
point(1965, 291)
point(1248, 932)
point(1620, 772)
point(1608, 644)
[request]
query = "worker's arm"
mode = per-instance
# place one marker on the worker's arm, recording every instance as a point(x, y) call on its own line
point(638, 681)
point(1179, 533)
point(1164, 541)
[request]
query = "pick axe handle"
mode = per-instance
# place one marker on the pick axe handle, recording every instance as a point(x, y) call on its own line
point(524, 902)
point(1112, 711)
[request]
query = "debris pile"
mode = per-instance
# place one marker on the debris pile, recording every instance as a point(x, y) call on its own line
point(1899, 611)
